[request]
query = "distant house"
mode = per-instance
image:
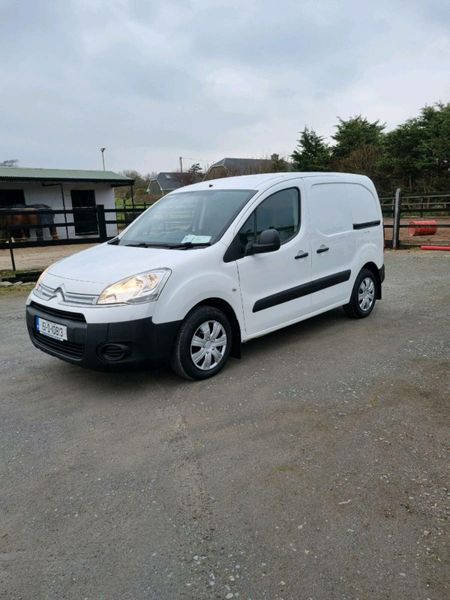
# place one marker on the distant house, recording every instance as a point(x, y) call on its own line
point(164, 183)
point(240, 166)
point(63, 189)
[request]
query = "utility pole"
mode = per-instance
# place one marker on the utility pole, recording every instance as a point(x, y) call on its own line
point(102, 150)
point(181, 164)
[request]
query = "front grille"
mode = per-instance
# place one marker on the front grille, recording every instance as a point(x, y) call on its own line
point(69, 349)
point(47, 293)
point(54, 312)
point(44, 292)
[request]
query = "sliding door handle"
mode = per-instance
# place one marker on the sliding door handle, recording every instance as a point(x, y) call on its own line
point(301, 254)
point(322, 249)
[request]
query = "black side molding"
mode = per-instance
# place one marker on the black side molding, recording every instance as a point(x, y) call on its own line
point(301, 290)
point(366, 224)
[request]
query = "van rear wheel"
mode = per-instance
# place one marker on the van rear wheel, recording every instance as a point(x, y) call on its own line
point(364, 294)
point(203, 344)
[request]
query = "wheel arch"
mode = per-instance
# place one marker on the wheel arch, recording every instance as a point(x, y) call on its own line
point(228, 310)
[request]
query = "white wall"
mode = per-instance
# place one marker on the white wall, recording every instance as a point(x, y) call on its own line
point(36, 193)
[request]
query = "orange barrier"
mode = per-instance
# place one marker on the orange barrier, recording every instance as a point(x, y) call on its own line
point(422, 228)
point(445, 248)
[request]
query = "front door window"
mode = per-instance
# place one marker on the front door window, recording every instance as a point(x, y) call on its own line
point(280, 211)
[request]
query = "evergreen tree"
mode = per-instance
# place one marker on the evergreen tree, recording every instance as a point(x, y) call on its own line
point(417, 152)
point(434, 122)
point(403, 159)
point(354, 133)
point(312, 153)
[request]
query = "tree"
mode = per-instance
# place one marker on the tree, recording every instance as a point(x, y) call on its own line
point(141, 183)
point(364, 160)
point(312, 153)
point(279, 165)
point(354, 133)
point(417, 152)
point(434, 122)
point(192, 175)
point(11, 162)
point(195, 169)
point(403, 159)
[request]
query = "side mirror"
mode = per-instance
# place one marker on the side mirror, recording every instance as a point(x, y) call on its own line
point(268, 241)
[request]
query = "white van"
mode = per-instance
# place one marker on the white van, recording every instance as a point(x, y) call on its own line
point(213, 265)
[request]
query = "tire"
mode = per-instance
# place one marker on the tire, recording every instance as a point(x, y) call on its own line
point(197, 353)
point(364, 295)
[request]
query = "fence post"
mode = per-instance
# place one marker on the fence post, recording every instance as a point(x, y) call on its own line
point(101, 222)
point(397, 217)
point(11, 251)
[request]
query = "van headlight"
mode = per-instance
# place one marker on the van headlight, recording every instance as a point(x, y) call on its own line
point(144, 287)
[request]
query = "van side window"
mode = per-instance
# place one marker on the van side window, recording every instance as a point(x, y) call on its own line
point(329, 208)
point(279, 211)
point(363, 203)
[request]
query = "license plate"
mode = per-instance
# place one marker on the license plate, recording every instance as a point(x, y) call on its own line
point(52, 330)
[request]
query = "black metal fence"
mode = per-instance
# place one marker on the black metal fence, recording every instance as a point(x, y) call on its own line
point(416, 219)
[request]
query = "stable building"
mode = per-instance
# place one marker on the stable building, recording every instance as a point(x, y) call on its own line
point(63, 190)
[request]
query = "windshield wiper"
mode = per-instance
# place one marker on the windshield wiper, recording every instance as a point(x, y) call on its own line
point(145, 245)
point(185, 245)
point(114, 242)
point(137, 245)
point(180, 246)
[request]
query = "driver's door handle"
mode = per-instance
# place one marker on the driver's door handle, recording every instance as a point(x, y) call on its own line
point(322, 249)
point(301, 254)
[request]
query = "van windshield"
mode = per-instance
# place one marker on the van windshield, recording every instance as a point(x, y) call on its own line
point(186, 219)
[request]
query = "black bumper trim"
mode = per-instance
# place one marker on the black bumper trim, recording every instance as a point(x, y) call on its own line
point(142, 340)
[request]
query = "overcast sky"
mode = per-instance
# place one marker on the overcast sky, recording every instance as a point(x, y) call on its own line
point(207, 79)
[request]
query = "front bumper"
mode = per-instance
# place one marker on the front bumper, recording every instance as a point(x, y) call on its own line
point(99, 345)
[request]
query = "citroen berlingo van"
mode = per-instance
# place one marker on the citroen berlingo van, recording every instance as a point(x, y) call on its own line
point(211, 266)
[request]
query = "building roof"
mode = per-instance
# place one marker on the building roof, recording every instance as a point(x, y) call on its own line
point(63, 175)
point(169, 181)
point(243, 165)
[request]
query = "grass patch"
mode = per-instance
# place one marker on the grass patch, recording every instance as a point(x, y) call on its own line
point(15, 290)
point(20, 275)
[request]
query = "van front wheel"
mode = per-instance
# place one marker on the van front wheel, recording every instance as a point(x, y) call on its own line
point(203, 344)
point(363, 298)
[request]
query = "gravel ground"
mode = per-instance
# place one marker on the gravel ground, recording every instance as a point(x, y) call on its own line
point(313, 468)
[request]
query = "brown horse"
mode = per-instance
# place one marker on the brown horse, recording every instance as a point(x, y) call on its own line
point(18, 225)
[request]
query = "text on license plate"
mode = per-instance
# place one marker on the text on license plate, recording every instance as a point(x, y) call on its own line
point(50, 329)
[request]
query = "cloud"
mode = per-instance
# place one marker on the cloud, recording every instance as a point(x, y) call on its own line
point(155, 80)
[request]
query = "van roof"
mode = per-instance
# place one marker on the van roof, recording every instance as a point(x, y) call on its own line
point(264, 180)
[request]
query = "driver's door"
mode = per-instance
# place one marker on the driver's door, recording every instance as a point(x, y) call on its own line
point(271, 282)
